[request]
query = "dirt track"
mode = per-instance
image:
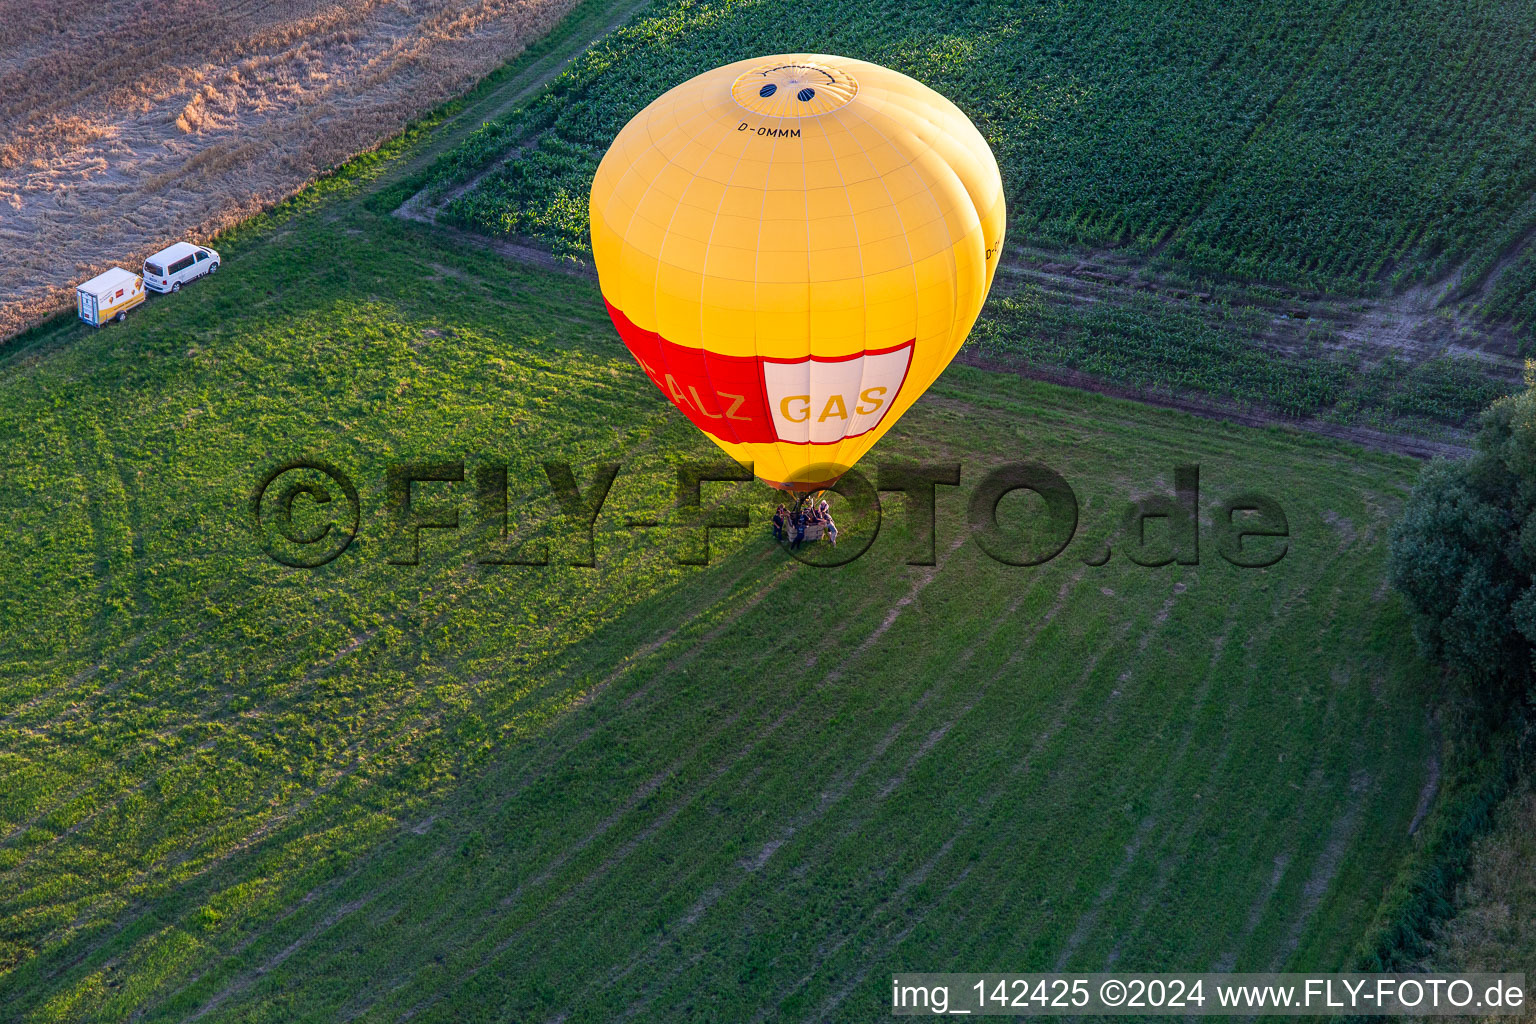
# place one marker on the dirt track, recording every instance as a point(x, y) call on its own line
point(1081, 282)
point(124, 127)
point(1423, 322)
point(1365, 437)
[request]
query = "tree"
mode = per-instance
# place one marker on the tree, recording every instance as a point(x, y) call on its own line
point(1464, 551)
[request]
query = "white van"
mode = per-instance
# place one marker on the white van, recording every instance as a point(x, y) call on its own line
point(108, 295)
point(173, 266)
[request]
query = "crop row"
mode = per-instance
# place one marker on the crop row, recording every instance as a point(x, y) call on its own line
point(1330, 146)
point(1159, 347)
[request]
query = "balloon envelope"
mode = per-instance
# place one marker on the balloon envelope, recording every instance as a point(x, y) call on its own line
point(793, 248)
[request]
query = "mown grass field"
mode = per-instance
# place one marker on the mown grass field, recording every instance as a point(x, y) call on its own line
point(747, 791)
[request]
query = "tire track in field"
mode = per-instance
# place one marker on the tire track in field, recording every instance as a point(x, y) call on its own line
point(1090, 919)
point(1283, 860)
point(844, 785)
point(265, 827)
point(677, 663)
point(1341, 837)
point(312, 896)
point(347, 761)
point(1042, 740)
point(847, 783)
point(278, 959)
point(132, 674)
point(751, 865)
point(915, 878)
point(1025, 644)
point(1172, 859)
point(672, 667)
point(91, 450)
point(924, 578)
point(652, 785)
point(207, 720)
point(296, 811)
point(1169, 863)
point(644, 792)
point(283, 820)
point(1228, 960)
point(106, 770)
point(84, 675)
point(1071, 698)
point(153, 774)
point(529, 776)
point(977, 811)
point(1431, 785)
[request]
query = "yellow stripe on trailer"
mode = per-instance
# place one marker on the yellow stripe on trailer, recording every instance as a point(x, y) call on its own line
point(128, 303)
point(94, 298)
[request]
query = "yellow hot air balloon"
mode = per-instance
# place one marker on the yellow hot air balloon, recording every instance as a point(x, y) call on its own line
point(793, 248)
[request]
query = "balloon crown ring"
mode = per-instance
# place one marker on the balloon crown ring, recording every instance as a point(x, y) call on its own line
point(794, 89)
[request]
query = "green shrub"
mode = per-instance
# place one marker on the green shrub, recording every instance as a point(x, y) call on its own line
point(1464, 551)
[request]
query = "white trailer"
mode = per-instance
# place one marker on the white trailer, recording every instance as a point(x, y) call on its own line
point(109, 295)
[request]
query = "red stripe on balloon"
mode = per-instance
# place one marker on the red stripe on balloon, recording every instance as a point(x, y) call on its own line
point(725, 399)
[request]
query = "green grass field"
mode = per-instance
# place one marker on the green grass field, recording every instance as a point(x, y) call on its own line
point(746, 791)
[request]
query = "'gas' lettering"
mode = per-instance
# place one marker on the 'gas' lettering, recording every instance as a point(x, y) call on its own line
point(805, 408)
point(872, 395)
point(834, 402)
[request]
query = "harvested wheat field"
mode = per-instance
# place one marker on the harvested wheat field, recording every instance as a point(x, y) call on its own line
point(124, 127)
